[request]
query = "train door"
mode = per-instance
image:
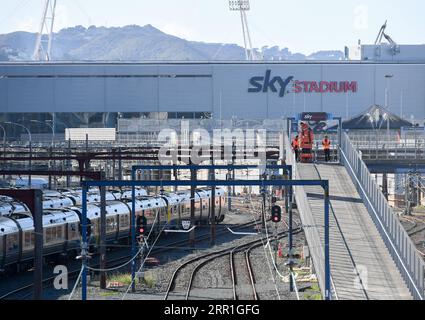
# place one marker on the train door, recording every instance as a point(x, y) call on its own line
point(12, 246)
point(28, 241)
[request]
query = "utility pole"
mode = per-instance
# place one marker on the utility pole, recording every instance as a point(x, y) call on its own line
point(43, 47)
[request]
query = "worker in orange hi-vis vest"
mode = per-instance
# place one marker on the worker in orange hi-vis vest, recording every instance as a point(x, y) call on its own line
point(296, 147)
point(327, 147)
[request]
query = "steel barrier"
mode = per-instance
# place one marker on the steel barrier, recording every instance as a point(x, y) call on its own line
point(398, 242)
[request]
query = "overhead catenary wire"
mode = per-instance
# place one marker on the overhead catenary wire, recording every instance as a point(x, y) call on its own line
point(76, 284)
point(265, 253)
point(132, 258)
point(143, 263)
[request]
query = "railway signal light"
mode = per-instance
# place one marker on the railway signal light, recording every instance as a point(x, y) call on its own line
point(276, 214)
point(142, 224)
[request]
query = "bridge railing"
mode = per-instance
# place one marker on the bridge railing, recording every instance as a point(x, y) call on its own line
point(311, 228)
point(398, 242)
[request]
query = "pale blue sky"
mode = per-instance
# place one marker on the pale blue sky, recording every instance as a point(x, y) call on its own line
point(301, 25)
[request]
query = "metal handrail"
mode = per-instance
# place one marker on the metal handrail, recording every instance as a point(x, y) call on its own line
point(396, 239)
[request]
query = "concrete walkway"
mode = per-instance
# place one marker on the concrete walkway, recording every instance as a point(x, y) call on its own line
point(356, 246)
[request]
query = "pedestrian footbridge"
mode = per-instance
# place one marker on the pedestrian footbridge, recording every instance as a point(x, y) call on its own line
point(371, 255)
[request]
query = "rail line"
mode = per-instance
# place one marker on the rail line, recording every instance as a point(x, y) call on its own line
point(47, 282)
point(204, 259)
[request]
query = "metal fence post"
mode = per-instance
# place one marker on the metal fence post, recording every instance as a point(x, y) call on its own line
point(327, 256)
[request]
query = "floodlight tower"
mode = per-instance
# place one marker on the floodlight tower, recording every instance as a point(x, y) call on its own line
point(43, 47)
point(243, 6)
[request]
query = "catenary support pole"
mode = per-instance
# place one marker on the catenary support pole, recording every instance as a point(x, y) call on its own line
point(38, 250)
point(84, 245)
point(102, 237)
point(133, 232)
point(212, 208)
point(193, 177)
point(291, 248)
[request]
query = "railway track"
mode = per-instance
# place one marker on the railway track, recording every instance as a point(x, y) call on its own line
point(242, 274)
point(181, 283)
point(22, 292)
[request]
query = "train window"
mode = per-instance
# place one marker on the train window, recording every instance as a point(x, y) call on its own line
point(28, 238)
point(12, 242)
point(73, 231)
point(59, 233)
point(110, 224)
point(124, 221)
point(48, 235)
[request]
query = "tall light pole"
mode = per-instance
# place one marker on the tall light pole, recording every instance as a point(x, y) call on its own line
point(30, 137)
point(54, 122)
point(43, 48)
point(50, 126)
point(387, 77)
point(51, 146)
point(242, 6)
point(4, 150)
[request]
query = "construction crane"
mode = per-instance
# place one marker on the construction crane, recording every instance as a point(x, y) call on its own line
point(386, 36)
point(43, 45)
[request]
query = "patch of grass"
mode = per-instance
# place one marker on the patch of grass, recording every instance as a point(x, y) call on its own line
point(302, 273)
point(313, 293)
point(108, 294)
point(149, 280)
point(124, 278)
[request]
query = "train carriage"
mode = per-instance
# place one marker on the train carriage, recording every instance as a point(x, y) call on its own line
point(60, 234)
point(62, 226)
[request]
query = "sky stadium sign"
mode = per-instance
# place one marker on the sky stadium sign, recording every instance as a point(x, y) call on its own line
point(284, 85)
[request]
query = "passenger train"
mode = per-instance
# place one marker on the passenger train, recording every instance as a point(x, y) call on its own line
point(62, 217)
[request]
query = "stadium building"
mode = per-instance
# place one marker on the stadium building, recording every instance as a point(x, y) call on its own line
point(97, 94)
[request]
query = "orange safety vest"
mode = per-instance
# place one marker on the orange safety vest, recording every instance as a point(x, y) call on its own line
point(295, 144)
point(326, 144)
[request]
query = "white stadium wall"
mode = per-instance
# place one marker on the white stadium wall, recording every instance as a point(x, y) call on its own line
point(218, 88)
